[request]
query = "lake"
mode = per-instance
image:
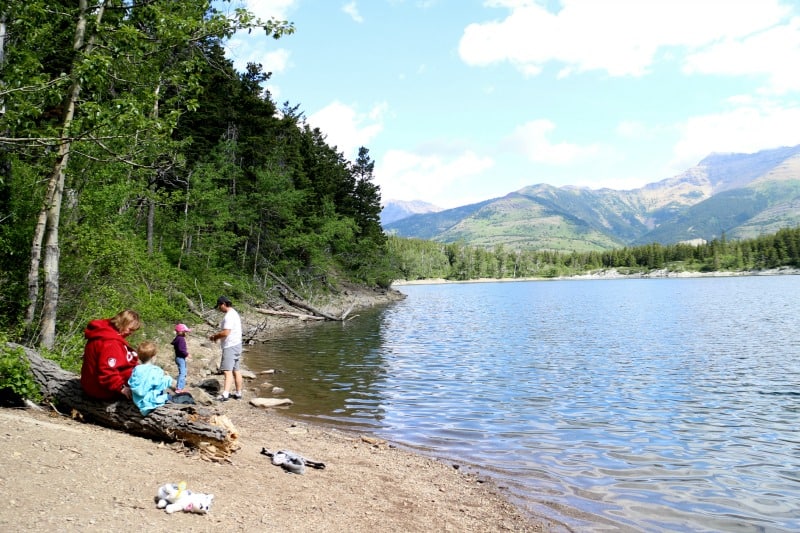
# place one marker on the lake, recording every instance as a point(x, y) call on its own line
point(638, 404)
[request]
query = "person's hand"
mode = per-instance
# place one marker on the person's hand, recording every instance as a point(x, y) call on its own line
point(126, 391)
point(188, 357)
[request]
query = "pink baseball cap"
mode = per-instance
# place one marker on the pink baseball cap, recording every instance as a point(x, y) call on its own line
point(180, 328)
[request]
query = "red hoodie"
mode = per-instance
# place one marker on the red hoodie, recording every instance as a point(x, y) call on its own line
point(108, 361)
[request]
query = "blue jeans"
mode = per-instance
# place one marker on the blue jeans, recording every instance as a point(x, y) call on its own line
point(181, 362)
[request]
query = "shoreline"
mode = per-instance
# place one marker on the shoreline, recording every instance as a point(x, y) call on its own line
point(103, 479)
point(609, 274)
point(499, 501)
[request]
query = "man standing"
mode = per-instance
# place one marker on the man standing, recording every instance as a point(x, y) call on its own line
point(231, 335)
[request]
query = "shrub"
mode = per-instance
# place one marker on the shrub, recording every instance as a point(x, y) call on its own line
point(16, 379)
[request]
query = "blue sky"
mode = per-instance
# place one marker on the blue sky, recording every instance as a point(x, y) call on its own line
point(460, 101)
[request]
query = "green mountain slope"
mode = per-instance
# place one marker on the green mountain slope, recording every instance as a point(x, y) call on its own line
point(517, 220)
point(741, 195)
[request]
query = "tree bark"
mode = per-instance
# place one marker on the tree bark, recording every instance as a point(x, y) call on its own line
point(284, 288)
point(307, 307)
point(288, 314)
point(203, 428)
point(47, 228)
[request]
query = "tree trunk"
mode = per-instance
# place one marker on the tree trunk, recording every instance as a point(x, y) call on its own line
point(186, 236)
point(151, 202)
point(51, 211)
point(2, 56)
point(212, 433)
point(307, 307)
point(151, 221)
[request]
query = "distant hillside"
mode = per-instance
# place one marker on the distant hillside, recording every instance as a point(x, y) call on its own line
point(395, 210)
point(740, 195)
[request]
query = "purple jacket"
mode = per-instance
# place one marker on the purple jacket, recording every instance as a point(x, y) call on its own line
point(179, 342)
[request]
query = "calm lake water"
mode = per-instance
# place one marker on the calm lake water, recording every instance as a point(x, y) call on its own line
point(647, 404)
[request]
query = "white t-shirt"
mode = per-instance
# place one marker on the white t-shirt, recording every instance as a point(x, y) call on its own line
point(233, 322)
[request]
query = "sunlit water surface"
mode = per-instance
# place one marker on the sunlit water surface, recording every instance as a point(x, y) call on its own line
point(653, 405)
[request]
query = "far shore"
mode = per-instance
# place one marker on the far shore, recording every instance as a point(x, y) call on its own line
point(611, 273)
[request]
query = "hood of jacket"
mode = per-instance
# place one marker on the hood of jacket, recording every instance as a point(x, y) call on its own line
point(102, 329)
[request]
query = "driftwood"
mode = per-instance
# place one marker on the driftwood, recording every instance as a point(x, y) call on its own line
point(212, 433)
point(317, 312)
point(284, 288)
point(288, 314)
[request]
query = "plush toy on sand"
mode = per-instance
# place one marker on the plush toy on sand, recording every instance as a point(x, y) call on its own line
point(176, 497)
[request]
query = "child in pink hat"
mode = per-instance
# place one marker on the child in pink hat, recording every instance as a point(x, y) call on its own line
point(181, 355)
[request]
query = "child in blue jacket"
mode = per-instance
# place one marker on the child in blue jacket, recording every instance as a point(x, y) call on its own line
point(150, 385)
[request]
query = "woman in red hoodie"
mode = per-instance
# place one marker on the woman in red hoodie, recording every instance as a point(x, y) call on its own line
point(108, 359)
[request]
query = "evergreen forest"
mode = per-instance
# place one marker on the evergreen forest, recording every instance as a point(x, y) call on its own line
point(416, 259)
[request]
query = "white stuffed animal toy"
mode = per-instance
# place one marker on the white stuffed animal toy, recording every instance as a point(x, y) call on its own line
point(169, 493)
point(176, 497)
point(191, 502)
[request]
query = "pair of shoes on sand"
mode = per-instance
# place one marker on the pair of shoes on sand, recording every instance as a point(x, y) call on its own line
point(235, 396)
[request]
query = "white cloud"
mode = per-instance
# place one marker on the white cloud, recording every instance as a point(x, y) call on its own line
point(406, 175)
point(346, 128)
point(620, 37)
point(275, 91)
point(352, 9)
point(747, 129)
point(252, 47)
point(531, 140)
point(266, 9)
point(276, 61)
point(772, 53)
point(243, 50)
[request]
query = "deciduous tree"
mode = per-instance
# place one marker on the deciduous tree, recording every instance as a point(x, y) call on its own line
point(93, 81)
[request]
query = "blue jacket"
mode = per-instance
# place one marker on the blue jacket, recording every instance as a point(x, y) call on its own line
point(148, 384)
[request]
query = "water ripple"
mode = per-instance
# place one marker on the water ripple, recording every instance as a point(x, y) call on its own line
point(659, 405)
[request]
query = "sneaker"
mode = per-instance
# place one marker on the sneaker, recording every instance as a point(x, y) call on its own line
point(222, 398)
point(236, 395)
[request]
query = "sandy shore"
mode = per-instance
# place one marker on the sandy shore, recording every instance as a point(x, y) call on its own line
point(59, 474)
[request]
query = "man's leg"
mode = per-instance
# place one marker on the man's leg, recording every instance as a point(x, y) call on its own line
point(227, 381)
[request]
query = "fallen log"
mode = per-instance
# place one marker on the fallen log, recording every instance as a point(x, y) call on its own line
point(288, 314)
point(307, 307)
point(203, 428)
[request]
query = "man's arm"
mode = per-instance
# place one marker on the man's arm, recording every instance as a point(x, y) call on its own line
point(222, 334)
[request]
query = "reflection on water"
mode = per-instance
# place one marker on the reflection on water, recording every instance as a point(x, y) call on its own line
point(659, 405)
point(329, 370)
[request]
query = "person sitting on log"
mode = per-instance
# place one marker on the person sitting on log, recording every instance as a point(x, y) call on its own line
point(108, 359)
point(150, 385)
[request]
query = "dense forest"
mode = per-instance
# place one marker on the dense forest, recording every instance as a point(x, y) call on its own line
point(416, 259)
point(139, 169)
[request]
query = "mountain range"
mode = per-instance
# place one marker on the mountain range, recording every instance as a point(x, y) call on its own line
point(739, 196)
